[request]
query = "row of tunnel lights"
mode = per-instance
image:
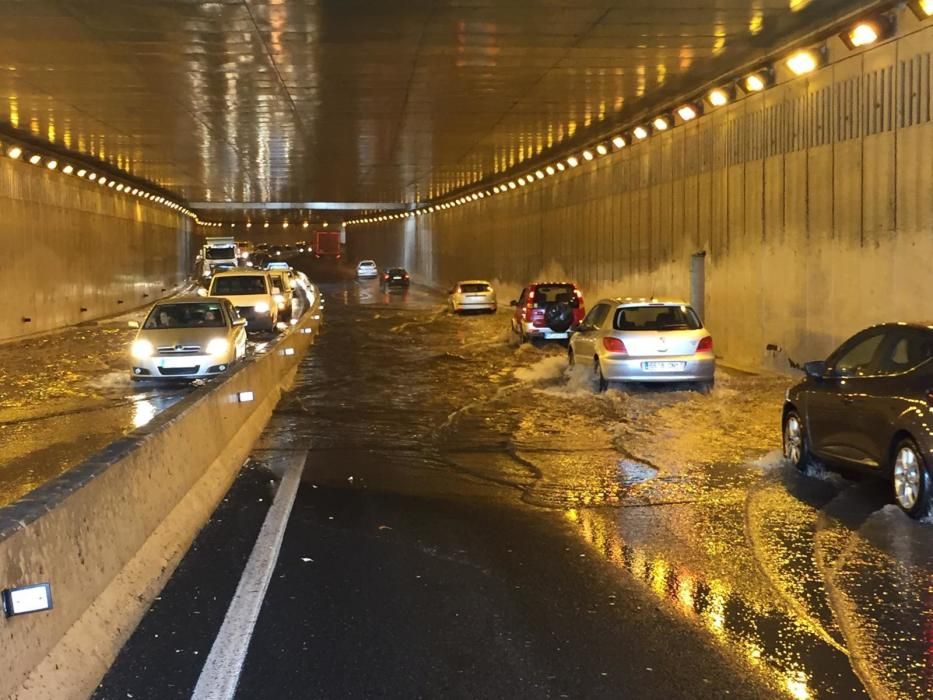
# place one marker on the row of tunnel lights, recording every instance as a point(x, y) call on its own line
point(249, 224)
point(800, 62)
point(52, 163)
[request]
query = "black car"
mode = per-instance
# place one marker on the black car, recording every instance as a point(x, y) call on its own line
point(869, 406)
point(396, 277)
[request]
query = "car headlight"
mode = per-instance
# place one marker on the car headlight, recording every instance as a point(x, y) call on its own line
point(262, 307)
point(218, 346)
point(141, 349)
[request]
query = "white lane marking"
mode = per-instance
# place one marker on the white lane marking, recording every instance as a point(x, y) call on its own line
point(221, 672)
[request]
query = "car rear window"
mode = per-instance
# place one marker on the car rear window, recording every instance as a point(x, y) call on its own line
point(397, 271)
point(206, 315)
point(655, 317)
point(555, 293)
point(473, 288)
point(227, 253)
point(232, 286)
point(367, 263)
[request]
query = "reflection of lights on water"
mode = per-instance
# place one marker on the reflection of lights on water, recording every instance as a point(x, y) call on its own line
point(796, 683)
point(716, 609)
point(659, 570)
point(571, 515)
point(685, 592)
point(143, 412)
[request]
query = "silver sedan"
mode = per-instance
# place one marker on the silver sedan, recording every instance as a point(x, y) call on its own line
point(187, 338)
point(644, 340)
point(473, 295)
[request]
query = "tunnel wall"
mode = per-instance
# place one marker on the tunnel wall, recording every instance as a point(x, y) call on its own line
point(811, 201)
point(69, 244)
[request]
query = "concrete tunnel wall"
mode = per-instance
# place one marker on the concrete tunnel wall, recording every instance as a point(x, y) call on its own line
point(69, 244)
point(812, 201)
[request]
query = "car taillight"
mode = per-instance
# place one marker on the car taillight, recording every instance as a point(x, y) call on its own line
point(615, 345)
point(406, 277)
point(706, 344)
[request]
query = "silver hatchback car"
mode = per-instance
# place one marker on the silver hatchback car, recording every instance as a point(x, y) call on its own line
point(644, 340)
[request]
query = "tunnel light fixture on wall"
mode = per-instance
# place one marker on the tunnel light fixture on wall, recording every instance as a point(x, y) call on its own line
point(618, 141)
point(68, 169)
point(688, 112)
point(35, 159)
point(662, 122)
point(14, 152)
point(560, 166)
point(922, 8)
point(51, 164)
point(720, 96)
point(804, 61)
point(573, 161)
point(758, 80)
point(640, 132)
point(601, 149)
point(868, 32)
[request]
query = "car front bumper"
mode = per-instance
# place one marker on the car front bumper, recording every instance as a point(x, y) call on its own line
point(179, 366)
point(690, 368)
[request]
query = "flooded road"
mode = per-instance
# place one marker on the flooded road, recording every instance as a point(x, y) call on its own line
point(66, 395)
point(474, 520)
point(806, 585)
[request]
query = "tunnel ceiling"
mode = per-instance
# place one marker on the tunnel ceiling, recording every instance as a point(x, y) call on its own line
point(354, 100)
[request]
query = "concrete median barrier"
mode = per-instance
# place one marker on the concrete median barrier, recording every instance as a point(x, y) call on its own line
point(107, 534)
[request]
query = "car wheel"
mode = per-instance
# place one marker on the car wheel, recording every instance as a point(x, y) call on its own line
point(706, 388)
point(602, 384)
point(911, 479)
point(571, 360)
point(796, 447)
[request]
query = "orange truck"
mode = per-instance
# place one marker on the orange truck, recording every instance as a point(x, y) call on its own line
point(327, 244)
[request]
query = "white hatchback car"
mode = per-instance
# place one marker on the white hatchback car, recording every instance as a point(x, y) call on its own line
point(367, 269)
point(253, 294)
point(473, 295)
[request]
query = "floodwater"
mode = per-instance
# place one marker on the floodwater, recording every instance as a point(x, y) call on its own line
point(66, 395)
point(813, 584)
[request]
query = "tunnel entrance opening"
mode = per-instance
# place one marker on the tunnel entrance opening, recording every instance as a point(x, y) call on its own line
point(698, 283)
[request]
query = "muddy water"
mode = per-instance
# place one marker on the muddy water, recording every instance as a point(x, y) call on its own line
point(813, 582)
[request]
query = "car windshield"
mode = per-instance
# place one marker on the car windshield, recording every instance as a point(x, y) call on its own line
point(227, 253)
point(367, 263)
point(554, 293)
point(202, 315)
point(234, 285)
point(474, 288)
point(396, 272)
point(656, 318)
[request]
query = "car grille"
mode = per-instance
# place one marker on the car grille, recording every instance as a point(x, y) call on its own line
point(179, 349)
point(175, 371)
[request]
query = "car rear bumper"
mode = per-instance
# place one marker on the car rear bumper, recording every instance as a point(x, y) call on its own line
point(363, 274)
point(543, 333)
point(475, 306)
point(696, 368)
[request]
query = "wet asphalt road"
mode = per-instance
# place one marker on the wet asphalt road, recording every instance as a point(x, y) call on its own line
point(66, 395)
point(474, 521)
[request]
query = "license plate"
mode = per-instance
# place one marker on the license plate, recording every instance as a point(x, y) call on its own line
point(663, 366)
point(396, 278)
point(177, 362)
point(556, 336)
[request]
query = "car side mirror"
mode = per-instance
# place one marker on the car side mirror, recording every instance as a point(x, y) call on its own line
point(239, 322)
point(202, 292)
point(815, 369)
point(514, 302)
point(133, 324)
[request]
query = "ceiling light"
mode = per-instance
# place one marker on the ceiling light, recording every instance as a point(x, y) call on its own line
point(249, 224)
point(101, 181)
point(35, 158)
point(803, 62)
point(588, 155)
point(495, 189)
point(266, 225)
point(757, 81)
point(68, 169)
point(512, 185)
point(304, 225)
point(601, 149)
point(120, 187)
point(521, 181)
point(687, 112)
point(284, 224)
point(111, 183)
point(922, 8)
point(136, 192)
point(91, 177)
point(560, 167)
point(539, 174)
point(550, 170)
point(14, 152)
point(661, 122)
point(618, 141)
point(640, 132)
point(573, 162)
point(52, 164)
point(718, 97)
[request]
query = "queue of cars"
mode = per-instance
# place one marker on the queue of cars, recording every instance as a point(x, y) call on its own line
point(204, 335)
